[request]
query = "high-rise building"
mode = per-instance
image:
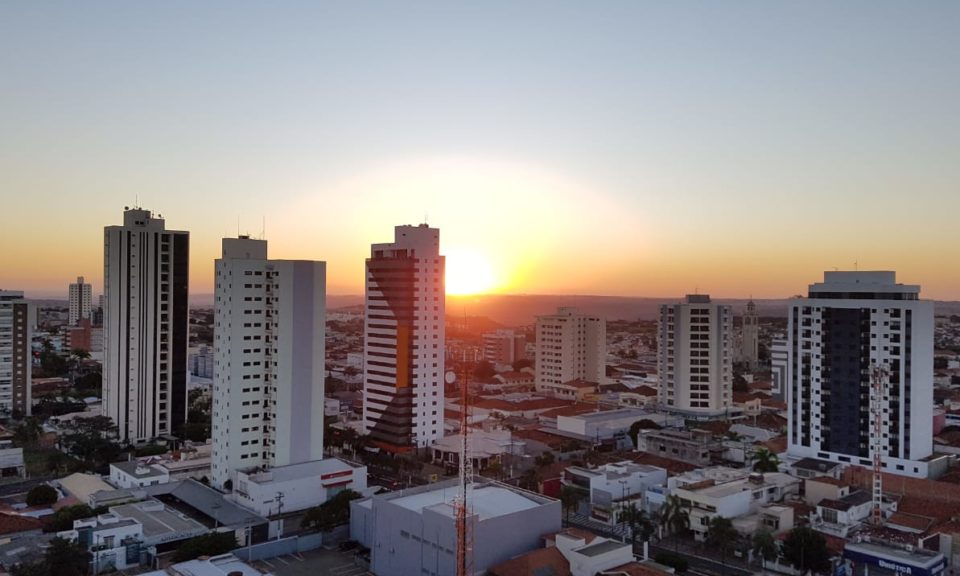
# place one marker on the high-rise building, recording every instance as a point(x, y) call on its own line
point(16, 333)
point(570, 346)
point(849, 325)
point(749, 349)
point(403, 367)
point(695, 356)
point(504, 346)
point(145, 276)
point(80, 301)
point(779, 358)
point(269, 351)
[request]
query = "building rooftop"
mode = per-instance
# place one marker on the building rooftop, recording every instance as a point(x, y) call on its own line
point(205, 500)
point(159, 522)
point(600, 548)
point(302, 470)
point(486, 501)
point(138, 469)
point(815, 465)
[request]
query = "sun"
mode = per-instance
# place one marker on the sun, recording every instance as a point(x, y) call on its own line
point(468, 272)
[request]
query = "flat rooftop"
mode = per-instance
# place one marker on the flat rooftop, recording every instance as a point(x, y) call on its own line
point(303, 470)
point(600, 548)
point(916, 557)
point(157, 519)
point(487, 501)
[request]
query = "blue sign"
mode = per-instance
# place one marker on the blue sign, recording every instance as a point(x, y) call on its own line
point(898, 566)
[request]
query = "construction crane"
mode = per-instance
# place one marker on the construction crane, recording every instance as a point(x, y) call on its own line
point(879, 383)
point(462, 502)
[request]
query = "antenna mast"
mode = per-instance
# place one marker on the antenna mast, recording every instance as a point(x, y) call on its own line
point(464, 534)
point(879, 380)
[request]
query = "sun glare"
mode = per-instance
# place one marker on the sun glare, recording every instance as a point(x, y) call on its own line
point(468, 272)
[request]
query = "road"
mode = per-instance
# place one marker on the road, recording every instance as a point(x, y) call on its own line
point(703, 566)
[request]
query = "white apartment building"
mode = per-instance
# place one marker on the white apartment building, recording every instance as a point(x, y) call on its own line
point(269, 355)
point(16, 334)
point(570, 346)
point(695, 356)
point(779, 357)
point(145, 278)
point(79, 294)
point(504, 346)
point(849, 324)
point(403, 367)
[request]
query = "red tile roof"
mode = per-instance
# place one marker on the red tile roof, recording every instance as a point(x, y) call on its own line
point(673, 467)
point(570, 410)
point(645, 390)
point(13, 523)
point(532, 563)
point(635, 569)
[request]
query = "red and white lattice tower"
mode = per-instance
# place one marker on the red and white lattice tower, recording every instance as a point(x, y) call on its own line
point(878, 388)
point(462, 503)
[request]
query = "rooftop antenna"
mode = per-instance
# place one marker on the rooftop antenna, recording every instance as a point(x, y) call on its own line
point(238, 225)
point(263, 228)
point(138, 200)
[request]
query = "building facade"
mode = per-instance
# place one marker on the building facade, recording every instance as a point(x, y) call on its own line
point(570, 346)
point(403, 366)
point(146, 274)
point(850, 324)
point(749, 352)
point(269, 350)
point(504, 346)
point(16, 334)
point(80, 301)
point(779, 357)
point(695, 356)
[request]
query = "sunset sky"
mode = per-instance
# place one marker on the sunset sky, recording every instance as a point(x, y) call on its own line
point(609, 148)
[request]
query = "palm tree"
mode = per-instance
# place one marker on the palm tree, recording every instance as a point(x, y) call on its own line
point(721, 534)
point(636, 518)
point(765, 461)
point(676, 517)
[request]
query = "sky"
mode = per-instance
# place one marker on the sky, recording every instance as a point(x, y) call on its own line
point(609, 148)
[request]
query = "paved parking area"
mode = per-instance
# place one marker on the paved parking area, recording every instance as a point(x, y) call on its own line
point(314, 563)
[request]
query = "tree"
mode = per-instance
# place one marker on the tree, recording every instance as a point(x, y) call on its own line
point(740, 384)
point(67, 558)
point(210, 544)
point(806, 549)
point(722, 535)
point(530, 480)
point(675, 517)
point(332, 513)
point(638, 521)
point(765, 461)
point(41, 495)
point(765, 545)
point(570, 499)
point(521, 364)
point(27, 432)
point(643, 424)
point(545, 459)
point(62, 558)
point(484, 371)
point(64, 517)
point(494, 468)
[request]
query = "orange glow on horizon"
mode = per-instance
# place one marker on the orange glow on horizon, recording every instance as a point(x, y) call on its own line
point(468, 272)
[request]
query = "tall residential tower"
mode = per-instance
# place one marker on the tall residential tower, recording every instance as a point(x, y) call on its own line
point(80, 301)
point(570, 346)
point(849, 325)
point(145, 276)
point(695, 356)
point(269, 355)
point(404, 340)
point(16, 333)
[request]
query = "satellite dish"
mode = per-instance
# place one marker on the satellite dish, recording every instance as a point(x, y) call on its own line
point(450, 377)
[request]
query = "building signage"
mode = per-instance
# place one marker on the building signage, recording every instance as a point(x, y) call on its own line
point(929, 566)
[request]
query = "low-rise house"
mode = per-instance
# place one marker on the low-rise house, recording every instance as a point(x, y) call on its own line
point(577, 390)
point(733, 499)
point(137, 474)
point(607, 488)
point(485, 446)
point(813, 467)
point(842, 516)
point(296, 487)
point(114, 542)
point(697, 448)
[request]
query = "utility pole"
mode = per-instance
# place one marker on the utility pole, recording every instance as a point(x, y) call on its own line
point(279, 511)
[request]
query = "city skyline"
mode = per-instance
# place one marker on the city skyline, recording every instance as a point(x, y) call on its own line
point(658, 150)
